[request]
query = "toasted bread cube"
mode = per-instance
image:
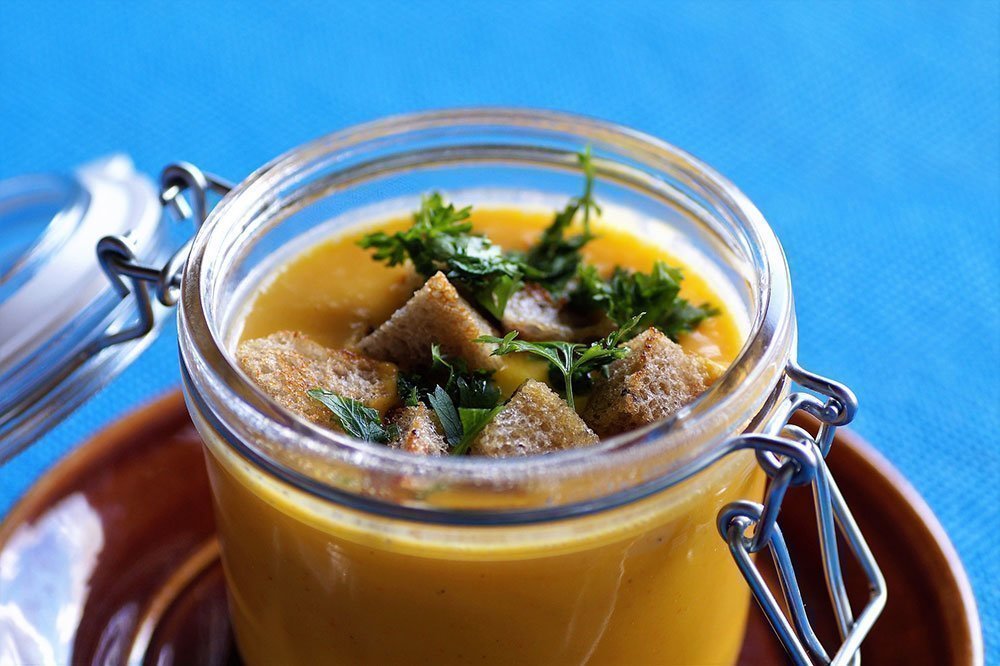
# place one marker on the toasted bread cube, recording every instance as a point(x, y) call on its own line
point(537, 316)
point(536, 420)
point(419, 431)
point(287, 364)
point(655, 380)
point(434, 314)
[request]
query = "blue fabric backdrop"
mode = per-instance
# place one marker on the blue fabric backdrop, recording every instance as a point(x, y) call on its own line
point(867, 133)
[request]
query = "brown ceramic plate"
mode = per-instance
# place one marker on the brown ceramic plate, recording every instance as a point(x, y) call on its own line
point(111, 558)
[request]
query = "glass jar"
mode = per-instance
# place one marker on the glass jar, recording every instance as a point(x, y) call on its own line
point(629, 551)
point(337, 550)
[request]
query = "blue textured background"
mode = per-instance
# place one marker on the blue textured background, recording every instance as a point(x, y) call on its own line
point(868, 135)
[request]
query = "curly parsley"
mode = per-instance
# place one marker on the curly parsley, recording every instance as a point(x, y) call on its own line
point(555, 259)
point(441, 239)
point(628, 293)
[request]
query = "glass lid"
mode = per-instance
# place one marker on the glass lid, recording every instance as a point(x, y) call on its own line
point(57, 304)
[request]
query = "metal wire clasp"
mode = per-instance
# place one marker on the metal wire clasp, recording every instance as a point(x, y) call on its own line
point(117, 256)
point(736, 519)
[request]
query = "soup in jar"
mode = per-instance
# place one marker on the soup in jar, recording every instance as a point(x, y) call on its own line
point(484, 331)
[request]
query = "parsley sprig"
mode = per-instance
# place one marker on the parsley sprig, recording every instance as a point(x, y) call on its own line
point(655, 294)
point(460, 424)
point(441, 239)
point(464, 400)
point(467, 387)
point(357, 420)
point(574, 361)
point(555, 259)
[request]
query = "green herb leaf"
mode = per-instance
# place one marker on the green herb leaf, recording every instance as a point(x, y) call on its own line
point(467, 388)
point(494, 295)
point(574, 361)
point(409, 389)
point(460, 425)
point(433, 220)
point(473, 421)
point(476, 391)
point(556, 352)
point(684, 317)
point(592, 292)
point(655, 294)
point(355, 418)
point(441, 239)
point(556, 258)
point(451, 422)
point(439, 363)
point(605, 350)
point(465, 403)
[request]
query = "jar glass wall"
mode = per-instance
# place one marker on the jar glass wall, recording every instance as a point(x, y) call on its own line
point(338, 548)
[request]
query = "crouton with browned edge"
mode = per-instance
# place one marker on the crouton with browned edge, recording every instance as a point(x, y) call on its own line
point(536, 420)
point(287, 364)
point(536, 315)
point(419, 431)
point(434, 314)
point(655, 380)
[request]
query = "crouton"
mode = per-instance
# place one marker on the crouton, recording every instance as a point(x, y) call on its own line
point(419, 431)
point(434, 314)
point(655, 380)
point(536, 315)
point(287, 364)
point(536, 420)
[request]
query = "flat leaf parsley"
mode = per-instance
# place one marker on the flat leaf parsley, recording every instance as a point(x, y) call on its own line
point(464, 400)
point(555, 259)
point(573, 361)
point(355, 418)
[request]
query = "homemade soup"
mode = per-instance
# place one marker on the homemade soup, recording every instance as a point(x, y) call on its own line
point(344, 340)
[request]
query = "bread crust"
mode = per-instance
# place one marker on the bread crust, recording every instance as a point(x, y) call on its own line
point(537, 316)
point(287, 364)
point(419, 431)
point(655, 380)
point(535, 420)
point(437, 314)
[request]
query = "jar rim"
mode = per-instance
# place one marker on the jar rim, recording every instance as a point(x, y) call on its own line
point(741, 394)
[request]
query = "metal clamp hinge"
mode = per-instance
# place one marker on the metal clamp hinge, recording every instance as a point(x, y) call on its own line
point(749, 527)
point(130, 276)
